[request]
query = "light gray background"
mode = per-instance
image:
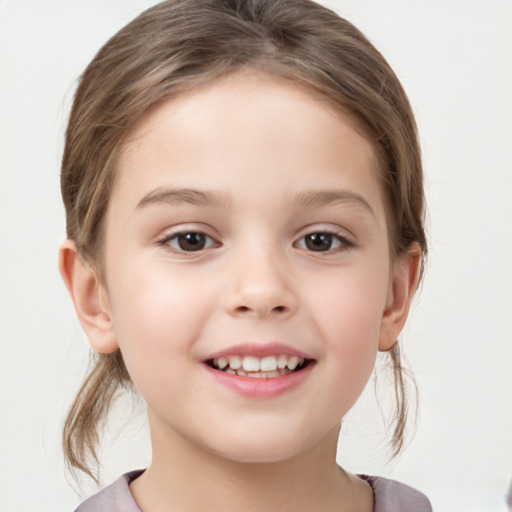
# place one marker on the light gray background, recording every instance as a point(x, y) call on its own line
point(455, 60)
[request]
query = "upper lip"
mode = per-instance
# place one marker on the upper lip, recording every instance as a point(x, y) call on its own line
point(258, 350)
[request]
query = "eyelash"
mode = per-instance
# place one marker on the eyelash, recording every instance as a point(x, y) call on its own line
point(344, 243)
point(175, 236)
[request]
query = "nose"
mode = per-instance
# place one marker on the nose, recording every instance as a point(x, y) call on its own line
point(260, 286)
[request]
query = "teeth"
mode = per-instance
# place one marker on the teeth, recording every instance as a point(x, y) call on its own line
point(269, 366)
point(251, 364)
point(235, 362)
point(281, 361)
point(222, 362)
point(261, 375)
point(292, 363)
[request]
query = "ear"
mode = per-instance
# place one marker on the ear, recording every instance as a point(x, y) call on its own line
point(404, 281)
point(90, 298)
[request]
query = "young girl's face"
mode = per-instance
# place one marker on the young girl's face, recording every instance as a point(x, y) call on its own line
point(247, 225)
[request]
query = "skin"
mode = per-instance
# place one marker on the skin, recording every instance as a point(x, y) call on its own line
point(260, 146)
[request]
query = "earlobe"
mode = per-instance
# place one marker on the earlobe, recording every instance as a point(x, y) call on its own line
point(89, 297)
point(401, 292)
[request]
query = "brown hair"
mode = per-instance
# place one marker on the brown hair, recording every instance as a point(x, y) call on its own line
point(178, 44)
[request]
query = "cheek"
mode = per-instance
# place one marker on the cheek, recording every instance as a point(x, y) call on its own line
point(157, 317)
point(350, 304)
point(349, 314)
point(352, 334)
point(353, 321)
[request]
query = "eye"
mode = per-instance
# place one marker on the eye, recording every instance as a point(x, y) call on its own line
point(189, 241)
point(323, 241)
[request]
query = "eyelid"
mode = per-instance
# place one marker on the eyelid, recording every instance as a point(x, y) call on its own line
point(176, 231)
point(188, 227)
point(346, 241)
point(209, 244)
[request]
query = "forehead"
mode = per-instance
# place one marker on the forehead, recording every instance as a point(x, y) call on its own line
point(247, 126)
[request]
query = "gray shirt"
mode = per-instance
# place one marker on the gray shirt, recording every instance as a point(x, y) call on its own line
point(389, 496)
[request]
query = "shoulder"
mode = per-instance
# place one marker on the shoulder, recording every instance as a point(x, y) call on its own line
point(114, 498)
point(393, 496)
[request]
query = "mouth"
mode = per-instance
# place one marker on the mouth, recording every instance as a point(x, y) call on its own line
point(268, 367)
point(260, 371)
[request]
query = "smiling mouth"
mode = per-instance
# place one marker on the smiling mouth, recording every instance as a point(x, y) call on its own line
point(259, 367)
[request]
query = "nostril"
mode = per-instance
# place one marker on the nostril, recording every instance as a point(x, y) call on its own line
point(277, 309)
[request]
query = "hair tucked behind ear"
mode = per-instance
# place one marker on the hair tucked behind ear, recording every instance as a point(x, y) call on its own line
point(80, 435)
point(180, 44)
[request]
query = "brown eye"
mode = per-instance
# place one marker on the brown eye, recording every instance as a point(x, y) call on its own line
point(323, 242)
point(190, 241)
point(318, 241)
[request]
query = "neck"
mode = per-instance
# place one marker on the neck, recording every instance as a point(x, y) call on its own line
point(188, 478)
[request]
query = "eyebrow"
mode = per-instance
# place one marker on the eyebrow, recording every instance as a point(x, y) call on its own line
point(306, 198)
point(184, 196)
point(316, 198)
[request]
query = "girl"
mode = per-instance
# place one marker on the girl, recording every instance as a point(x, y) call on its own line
point(244, 203)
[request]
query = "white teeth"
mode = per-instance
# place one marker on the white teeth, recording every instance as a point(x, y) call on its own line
point(292, 362)
point(222, 362)
point(251, 364)
point(268, 364)
point(235, 362)
point(262, 375)
point(281, 361)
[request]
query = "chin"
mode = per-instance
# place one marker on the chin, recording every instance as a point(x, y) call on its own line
point(250, 456)
point(261, 449)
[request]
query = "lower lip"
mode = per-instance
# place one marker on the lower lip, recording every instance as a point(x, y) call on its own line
point(254, 387)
